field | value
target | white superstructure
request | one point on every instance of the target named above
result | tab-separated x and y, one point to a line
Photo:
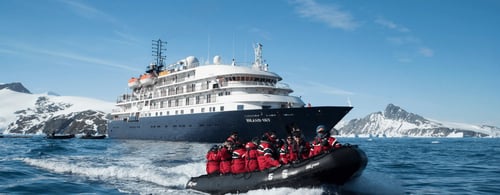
186	87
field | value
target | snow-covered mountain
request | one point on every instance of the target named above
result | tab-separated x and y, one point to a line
397	122
16	86
26	113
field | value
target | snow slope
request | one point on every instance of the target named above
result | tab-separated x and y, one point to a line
12	102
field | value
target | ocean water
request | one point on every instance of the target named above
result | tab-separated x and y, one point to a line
396	166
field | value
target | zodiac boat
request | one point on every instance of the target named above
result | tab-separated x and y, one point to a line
335	167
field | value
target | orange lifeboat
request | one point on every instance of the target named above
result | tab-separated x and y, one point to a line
146	79
133	82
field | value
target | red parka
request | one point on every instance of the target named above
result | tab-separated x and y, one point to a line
321	145
251	155
238	163
225	160
213	161
287	153
265	158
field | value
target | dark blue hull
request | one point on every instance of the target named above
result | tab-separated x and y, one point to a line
216	126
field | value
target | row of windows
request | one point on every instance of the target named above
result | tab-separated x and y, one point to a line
182	125
177	112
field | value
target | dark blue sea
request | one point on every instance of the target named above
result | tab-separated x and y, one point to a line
396	166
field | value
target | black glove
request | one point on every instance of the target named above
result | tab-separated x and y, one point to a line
324	142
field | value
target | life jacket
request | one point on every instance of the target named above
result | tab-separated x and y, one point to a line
225	160
233	140
287	153
265	156
213	162
238	162
321	145
250	157
302	150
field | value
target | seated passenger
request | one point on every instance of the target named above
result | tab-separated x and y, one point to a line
302	148
225	154
287	153
251	154
266	152
233	138
323	142
213	160
238	162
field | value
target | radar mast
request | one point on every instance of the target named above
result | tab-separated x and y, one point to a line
159	47
259	62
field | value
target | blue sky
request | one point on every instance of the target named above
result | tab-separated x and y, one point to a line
439	59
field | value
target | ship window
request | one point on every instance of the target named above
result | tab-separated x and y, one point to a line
239	107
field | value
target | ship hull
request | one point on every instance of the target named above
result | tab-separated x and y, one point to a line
216	126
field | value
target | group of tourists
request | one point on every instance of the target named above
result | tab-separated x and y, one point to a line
268	151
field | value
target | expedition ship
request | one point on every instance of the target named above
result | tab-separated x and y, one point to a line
186	101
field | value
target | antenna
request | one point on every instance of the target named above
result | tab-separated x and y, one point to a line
258	57
159	47
349	102
208	50
233	44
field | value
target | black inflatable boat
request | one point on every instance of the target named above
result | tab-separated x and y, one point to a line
60	136
93	137
336	167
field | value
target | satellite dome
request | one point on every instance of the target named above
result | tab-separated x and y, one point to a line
217	60
192	62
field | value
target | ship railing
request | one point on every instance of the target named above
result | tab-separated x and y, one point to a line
254	83
282	86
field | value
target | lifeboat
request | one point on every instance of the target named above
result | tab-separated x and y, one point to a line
147	79
333	168
163	73
133	83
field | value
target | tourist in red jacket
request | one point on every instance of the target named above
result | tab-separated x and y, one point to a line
233	138
225	154
238	162
323	142
287	153
266	152
250	156
301	147
213	160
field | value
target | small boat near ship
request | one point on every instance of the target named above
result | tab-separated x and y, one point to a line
56	136
93	136
335	167
186	99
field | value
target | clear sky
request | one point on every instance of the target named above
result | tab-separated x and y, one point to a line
439	59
